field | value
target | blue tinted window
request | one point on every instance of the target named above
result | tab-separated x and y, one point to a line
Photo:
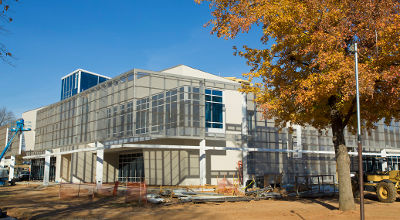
102	79
214	109
216	92
217	112
88	81
217	99
208	111
217	125
70	84
62	89
73	81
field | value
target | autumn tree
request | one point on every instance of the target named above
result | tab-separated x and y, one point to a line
307	76
4	18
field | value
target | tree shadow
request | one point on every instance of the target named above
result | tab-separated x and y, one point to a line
324	204
323	201
294	212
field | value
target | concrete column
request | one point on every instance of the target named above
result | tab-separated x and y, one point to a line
299	145
202	160
244	139
99	165
58	165
46	175
21	136
6	137
3	159
384	164
12	165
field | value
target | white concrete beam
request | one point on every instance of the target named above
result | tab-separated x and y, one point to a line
157	146
188	147
62	153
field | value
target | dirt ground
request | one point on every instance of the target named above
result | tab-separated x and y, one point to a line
37	202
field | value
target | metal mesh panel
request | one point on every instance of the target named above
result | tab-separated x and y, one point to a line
137	105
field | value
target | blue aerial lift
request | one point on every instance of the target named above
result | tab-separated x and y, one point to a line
18	128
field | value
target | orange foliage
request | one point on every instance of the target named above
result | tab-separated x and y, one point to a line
310	60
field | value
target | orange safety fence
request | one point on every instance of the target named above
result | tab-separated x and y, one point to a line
224	186
133	192
136	192
107	189
73	190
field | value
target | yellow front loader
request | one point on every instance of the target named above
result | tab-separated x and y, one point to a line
385	184
380	177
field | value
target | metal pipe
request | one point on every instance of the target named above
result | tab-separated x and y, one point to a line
360	163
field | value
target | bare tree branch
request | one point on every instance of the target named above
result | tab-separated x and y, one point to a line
6	116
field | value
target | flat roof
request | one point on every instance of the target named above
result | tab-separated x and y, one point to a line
82	70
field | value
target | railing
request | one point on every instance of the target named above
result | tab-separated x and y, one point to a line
315	184
131	179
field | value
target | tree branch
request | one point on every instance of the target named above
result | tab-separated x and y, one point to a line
349	113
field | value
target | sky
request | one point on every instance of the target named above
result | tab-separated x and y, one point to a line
50	39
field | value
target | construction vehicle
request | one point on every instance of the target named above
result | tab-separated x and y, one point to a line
386	183
4	172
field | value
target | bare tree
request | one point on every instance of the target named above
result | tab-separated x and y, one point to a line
5	18
6	116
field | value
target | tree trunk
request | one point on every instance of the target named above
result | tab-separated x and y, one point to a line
346	200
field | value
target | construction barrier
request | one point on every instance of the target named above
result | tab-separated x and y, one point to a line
107	190
133	192
74	190
226	187
71	190
136	192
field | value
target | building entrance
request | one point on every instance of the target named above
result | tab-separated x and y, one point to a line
37	169
131	167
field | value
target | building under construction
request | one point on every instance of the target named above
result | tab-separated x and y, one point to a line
179	126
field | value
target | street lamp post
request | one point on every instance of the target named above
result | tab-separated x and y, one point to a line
360	163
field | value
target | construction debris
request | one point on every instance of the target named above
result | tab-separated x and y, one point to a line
4	216
264	193
219	198
155	199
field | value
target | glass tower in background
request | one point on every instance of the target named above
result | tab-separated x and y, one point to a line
78	81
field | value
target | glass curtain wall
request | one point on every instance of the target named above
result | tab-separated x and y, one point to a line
134	106
69	86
